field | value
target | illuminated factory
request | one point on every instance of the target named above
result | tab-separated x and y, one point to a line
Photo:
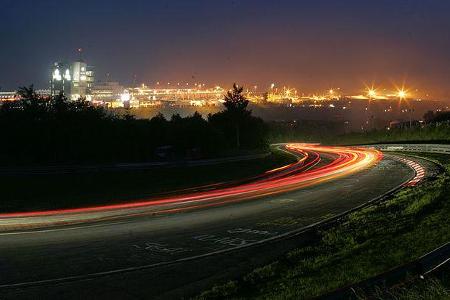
112	94
13	96
198	95
73	80
76	80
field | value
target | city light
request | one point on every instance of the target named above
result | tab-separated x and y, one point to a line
402	94
372	93
57	75
78	81
67	75
125	96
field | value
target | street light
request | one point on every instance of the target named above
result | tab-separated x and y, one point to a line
402	94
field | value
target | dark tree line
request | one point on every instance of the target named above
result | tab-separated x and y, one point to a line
431	117
52	130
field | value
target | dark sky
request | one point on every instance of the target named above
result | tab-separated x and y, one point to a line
311	45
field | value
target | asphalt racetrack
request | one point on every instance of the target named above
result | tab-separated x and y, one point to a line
176	245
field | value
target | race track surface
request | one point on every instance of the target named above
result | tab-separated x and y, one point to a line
181	243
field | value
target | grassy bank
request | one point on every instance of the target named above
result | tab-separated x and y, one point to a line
21	193
433	133
368	242
327	133
436	287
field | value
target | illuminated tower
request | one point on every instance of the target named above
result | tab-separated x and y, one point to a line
61	80
82	81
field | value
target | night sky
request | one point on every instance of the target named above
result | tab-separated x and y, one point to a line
311	45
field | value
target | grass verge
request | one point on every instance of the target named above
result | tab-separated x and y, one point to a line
368	242
432	133
436	287
32	192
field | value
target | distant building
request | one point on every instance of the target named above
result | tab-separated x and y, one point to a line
61	79
197	95
82	80
73	80
397	124
8	96
13	95
106	92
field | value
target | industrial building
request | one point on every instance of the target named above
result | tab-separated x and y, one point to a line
74	80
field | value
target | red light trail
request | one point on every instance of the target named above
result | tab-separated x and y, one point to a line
309	170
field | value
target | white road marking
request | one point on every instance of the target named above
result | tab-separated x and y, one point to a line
229	241
251	231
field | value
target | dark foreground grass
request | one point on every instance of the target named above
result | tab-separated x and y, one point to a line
22	193
436	287
368	242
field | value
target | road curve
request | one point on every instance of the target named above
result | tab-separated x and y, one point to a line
134	250
303	173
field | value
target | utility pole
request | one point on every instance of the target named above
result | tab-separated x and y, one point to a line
410	117
80	54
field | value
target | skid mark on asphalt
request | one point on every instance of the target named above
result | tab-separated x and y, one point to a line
224	240
251	231
159	248
285	221
385	164
282	201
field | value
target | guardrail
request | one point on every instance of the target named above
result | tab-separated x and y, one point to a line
433	148
415	269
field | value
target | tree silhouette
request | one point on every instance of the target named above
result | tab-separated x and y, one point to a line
235	102
236	107
27	94
428	116
54	130
34	106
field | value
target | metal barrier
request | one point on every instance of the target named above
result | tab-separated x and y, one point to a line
433	148
419	269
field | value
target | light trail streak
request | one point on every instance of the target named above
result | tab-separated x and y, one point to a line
305	172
